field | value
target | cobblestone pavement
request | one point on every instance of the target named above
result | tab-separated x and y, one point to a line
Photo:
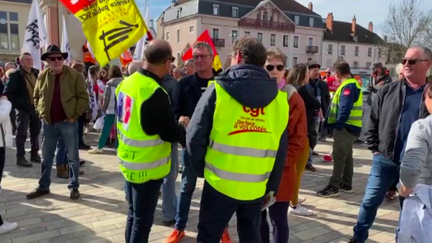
100	215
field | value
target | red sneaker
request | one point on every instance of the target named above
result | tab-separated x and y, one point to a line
327	159
225	237
175	236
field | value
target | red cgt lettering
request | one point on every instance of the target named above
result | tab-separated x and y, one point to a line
254	112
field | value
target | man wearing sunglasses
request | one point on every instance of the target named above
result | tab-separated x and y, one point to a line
19	91
396	106
60	98
380	76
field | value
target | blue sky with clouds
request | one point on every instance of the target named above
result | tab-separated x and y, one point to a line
343	10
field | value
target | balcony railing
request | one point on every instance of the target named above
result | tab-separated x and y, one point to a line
264	24
218	42
312	49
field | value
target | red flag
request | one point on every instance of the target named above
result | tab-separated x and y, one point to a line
205	37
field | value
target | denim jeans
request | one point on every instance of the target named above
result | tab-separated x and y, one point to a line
62	156
383	174
169	198
188	185
51	135
309	162
142	200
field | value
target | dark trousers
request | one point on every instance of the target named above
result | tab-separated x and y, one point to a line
343	165
142	199
24	120
2	165
81	124
12	116
279	219
216	211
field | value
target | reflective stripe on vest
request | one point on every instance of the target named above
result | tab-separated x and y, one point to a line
356	114
243	145
142	157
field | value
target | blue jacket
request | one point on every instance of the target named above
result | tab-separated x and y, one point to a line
249	85
348	96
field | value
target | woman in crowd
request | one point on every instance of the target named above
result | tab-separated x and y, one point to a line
299	77
6	140
108	107
103	78
416	180
297	133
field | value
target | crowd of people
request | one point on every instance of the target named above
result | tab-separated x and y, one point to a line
249	130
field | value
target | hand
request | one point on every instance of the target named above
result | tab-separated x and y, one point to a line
3	97
71	120
185	120
376	153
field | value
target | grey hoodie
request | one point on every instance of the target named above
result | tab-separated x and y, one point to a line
109	95
251	86
416	167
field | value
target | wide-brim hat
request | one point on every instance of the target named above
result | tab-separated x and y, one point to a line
312	65
53	49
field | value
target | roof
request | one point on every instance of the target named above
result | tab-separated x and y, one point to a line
18	1
342	33
284	5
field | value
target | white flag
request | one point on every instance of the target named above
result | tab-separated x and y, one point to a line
65	41
139	48
90	49
35	35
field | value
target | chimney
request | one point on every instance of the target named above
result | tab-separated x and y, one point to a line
385	39
310	6
371	26
329	22
354	24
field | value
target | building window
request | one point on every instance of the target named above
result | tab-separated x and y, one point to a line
4	37
379	52
310	42
272	40
296	42
330	49
178	36
343	50
235	12
329	63
247	33
260	37
234	35
369	51
265	16
215	9
355	64
356	51
167	36
13	16
3	15
368	65
285	41
191	29
178	13
295	59
14	37
215	33
309	60
311	22
297	19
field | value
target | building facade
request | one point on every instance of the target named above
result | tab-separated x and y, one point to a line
13	21
287	25
358	46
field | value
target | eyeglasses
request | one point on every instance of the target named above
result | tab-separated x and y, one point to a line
278	67
55	58
202	57
412	61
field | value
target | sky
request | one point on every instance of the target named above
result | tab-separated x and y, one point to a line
343	10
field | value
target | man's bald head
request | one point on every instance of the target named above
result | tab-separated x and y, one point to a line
158	52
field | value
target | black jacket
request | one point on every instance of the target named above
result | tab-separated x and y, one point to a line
385	116
312	104
325	94
16	90
375	84
250	86
157	116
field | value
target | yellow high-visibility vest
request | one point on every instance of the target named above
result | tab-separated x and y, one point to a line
243	145
356	115
142	157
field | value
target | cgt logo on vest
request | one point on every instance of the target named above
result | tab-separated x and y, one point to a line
253	122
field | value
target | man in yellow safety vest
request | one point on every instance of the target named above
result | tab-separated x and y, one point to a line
146	128
237	141
345	117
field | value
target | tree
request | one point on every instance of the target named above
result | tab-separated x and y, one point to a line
408	23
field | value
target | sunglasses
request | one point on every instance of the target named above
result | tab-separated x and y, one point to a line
278	67
198	57
55	58
412	61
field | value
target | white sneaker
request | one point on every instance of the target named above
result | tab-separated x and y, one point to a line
8	227
95	151
300	210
